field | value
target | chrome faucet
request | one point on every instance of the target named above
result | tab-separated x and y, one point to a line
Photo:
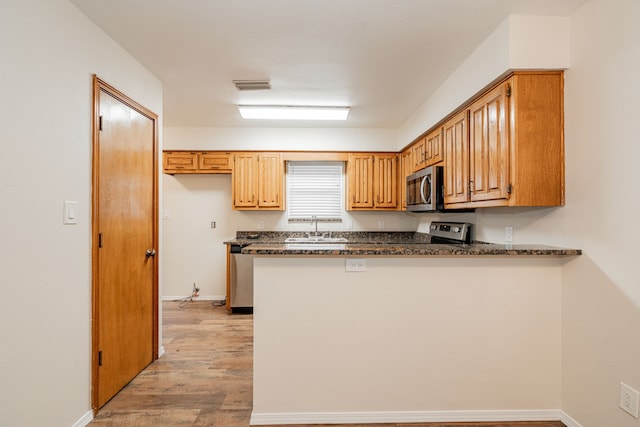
314	219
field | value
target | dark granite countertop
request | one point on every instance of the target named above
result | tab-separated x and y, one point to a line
413	249
385	244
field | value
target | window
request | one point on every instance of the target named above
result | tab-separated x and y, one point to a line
315	188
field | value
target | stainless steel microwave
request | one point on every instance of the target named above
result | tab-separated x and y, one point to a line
425	190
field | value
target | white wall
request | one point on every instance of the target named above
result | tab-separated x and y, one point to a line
194	252
49	53
286	139
520	42
601	292
411	339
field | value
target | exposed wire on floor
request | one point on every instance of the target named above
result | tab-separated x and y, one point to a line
189	298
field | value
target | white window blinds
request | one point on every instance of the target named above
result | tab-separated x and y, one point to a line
315	188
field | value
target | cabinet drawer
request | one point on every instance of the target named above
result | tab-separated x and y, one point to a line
180	161
214	162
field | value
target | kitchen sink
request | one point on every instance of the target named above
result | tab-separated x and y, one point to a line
323	246
316	239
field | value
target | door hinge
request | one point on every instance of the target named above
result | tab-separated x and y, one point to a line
100	358
99	240
509	189
508	90
100	123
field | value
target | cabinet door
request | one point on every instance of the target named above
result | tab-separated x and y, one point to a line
419	154
456	157
386	181
211	162
489	146
270	171
433	148
407	169
245	180
179	162
360	177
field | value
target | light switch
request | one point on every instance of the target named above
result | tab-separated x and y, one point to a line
70	212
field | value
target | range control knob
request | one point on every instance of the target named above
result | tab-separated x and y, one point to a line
456	229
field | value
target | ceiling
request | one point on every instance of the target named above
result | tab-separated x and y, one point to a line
381	57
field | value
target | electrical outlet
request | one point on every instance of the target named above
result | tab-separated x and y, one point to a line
380	225
356	264
261	225
349	224
508	234
629	399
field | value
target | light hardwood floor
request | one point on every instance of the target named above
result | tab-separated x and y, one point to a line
204	377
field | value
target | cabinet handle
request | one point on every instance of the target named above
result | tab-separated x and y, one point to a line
471	189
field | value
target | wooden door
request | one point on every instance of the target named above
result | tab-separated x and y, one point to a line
489	146
360	179
456	150
270	171
244	180
386	181
125	293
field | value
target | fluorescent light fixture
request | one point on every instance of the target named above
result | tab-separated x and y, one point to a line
290	112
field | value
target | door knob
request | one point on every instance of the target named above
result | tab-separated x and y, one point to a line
150	252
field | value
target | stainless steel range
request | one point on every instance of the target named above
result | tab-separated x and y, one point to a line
450	232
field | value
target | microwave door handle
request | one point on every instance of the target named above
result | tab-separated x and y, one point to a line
423	181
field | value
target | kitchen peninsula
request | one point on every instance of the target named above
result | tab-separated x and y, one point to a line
426	333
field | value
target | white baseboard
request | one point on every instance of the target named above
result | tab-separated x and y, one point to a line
85	420
404	417
568	421
198	298
160	351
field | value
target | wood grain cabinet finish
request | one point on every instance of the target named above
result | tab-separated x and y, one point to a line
419	155
406	165
179	162
214	162
257	181
196	162
509	149
433	147
372	180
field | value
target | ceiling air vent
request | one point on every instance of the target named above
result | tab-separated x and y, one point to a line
252	84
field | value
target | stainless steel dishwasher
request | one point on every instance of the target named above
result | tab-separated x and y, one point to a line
241	280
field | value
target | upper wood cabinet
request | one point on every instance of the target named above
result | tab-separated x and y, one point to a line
433	148
419	155
406	165
509	149
372	181
190	162
456	159
257	181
